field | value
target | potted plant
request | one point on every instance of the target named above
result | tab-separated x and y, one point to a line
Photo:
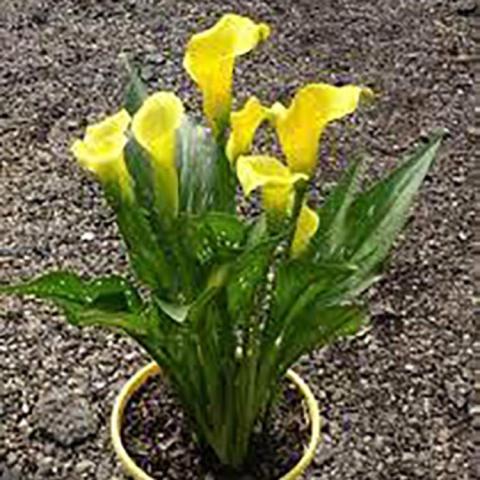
227	304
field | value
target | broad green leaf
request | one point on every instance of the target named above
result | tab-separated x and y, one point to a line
312	326
158	219
213	237
332	229
197	156
370	223
258	231
108	302
317	326
207	181
146	257
378	215
113	294
174	311
298	286
149	186
294	277
84	301
247	274
136	91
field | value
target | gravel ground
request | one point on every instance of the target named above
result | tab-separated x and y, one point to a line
395	401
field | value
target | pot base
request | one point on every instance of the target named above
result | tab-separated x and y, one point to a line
142	378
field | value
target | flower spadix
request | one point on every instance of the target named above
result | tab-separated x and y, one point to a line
300	126
101	150
210	60
154	127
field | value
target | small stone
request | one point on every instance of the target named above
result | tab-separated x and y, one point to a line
84	466
65	417
87	236
408	457
23	425
8	474
466	7
458	179
11	458
44	465
104	470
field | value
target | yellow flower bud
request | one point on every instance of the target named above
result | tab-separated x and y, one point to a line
101	150
307	225
244	124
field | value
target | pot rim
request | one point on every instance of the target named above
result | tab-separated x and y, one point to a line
152	369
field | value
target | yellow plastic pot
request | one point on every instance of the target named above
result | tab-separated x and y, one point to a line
153	369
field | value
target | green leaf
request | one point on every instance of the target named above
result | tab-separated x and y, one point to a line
110	293
362	228
298	285
258	231
155	214
247	274
333	229
84	301
146	257
378	215
294	277
207	182
108	302
317	325
196	159
213	238
149	186
136	91
176	312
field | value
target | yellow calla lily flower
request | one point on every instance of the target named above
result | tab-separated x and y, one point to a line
300	126
307	225
101	150
154	127
244	124
275	178
210	59
155	123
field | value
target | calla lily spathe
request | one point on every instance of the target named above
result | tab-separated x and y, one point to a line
155	124
300	126
275	179
101	150
210	60
244	124
277	183
307	225
154	127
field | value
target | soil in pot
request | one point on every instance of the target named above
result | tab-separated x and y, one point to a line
158	437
